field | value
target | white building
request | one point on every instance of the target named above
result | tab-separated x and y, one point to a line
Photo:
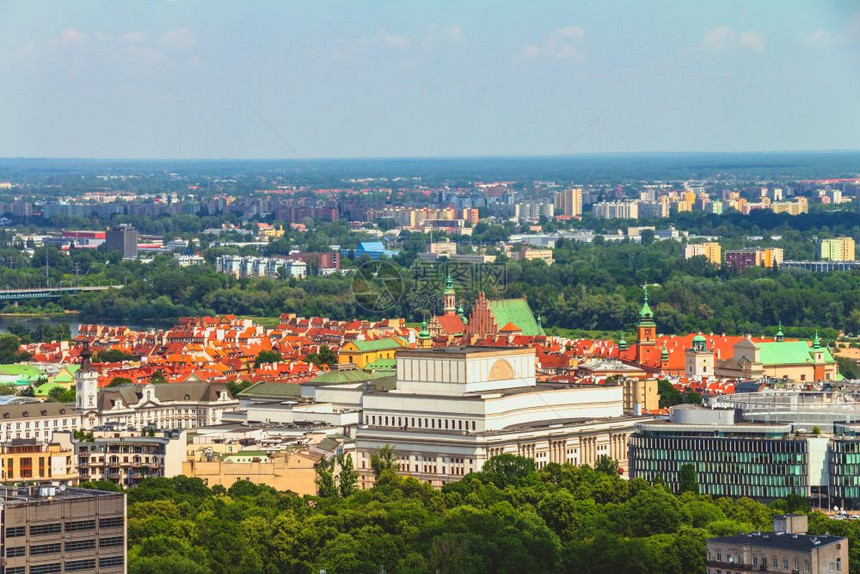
455	407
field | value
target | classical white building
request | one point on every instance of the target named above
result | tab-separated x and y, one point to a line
455	407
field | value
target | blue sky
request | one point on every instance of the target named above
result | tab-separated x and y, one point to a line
185	78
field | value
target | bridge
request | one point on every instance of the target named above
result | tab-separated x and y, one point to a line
49	292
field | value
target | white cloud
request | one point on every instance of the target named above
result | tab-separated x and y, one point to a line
718	38
394	41
561	44
180	38
752	40
724	38
71	36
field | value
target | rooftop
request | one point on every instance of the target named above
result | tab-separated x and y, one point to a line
12	495
779	540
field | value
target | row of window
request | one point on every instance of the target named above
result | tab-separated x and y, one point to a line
402	422
56	527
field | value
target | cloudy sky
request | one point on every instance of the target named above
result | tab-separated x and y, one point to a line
192	79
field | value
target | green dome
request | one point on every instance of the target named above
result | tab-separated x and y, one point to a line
449	286
424	333
699	339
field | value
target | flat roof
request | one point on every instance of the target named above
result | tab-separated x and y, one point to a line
782	541
463	350
10	495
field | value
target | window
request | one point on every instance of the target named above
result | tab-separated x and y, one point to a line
111	561
15	531
111	522
47	568
78	565
17	570
80	525
76	545
39	529
41	549
785	564
14	551
755	561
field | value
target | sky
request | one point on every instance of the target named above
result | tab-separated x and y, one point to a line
331	79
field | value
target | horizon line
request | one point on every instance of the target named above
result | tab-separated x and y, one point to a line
434	157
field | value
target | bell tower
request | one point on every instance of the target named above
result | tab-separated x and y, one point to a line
449	297
646	329
86	383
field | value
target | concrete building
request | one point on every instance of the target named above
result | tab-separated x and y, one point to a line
569	202
698	359
51	530
787	549
640	395
534	210
779	359
709	250
526	253
838	249
123	239
767	257
453	408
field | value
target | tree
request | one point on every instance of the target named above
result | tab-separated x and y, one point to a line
236	387
607	465
508	469
687	481
324	356
326	487
111	356
62	395
347	478
266	357
9	347
384	459
117	381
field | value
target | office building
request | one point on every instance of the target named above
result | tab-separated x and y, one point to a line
122	238
758	460
709	250
787	549
838	249
453	408
569	202
49	530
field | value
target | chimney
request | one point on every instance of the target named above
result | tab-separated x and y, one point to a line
791	523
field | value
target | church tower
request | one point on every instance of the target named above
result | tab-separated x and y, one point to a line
86	384
646	329
698	360
424	339
449	297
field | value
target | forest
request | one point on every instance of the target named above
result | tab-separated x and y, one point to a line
508	518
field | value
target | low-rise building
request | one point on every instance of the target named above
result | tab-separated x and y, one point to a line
289	470
787	549
31	460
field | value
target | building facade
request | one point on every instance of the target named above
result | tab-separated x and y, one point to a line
122	238
49	530
453	408
838	249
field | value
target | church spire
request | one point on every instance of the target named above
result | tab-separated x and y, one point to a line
449	297
780	336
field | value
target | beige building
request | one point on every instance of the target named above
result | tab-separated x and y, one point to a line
526	253
838	249
786	360
48	529
453	408
569	202
640	395
31	460
291	470
710	251
788	549
699	360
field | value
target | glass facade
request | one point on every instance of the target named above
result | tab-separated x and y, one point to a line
761	467
844	461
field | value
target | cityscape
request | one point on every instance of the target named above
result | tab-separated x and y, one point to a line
292	288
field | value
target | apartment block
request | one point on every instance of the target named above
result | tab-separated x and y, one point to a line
710	251
767	257
569	202
838	249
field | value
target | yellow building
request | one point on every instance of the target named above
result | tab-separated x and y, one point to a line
361	353
640	395
795	207
569	202
710	251
290	470
838	249
31	460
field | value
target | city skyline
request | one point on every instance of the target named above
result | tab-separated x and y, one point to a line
169	80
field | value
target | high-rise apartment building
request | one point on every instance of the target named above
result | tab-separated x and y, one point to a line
838	249
709	250
49	530
569	202
767	257
616	210
123	239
